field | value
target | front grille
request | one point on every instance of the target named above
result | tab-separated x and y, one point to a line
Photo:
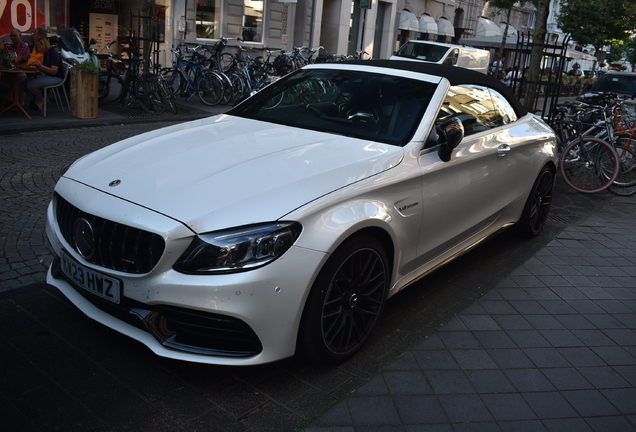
117	247
179	328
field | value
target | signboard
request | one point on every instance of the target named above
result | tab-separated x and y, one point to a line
102	27
365	4
20	14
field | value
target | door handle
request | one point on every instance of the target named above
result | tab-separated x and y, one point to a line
503	150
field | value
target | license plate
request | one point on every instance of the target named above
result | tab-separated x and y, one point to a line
96	283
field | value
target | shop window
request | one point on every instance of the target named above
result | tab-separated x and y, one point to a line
253	20
209	20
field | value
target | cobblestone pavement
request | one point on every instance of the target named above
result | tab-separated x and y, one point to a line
65	372
31	164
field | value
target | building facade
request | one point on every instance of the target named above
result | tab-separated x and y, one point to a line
377	27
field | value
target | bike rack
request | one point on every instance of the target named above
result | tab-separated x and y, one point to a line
549	80
147	35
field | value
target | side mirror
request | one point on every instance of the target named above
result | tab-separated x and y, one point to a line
451	134
93	41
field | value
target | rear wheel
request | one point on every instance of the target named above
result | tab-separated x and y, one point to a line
625	182
149	95
535	212
345	301
210	88
590	165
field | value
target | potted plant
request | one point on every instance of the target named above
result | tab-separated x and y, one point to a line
84	89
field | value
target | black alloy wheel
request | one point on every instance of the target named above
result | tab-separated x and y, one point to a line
537	208
346	301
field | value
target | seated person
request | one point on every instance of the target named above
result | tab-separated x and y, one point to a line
20	48
51	69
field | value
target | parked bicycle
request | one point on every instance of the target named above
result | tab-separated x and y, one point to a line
142	88
189	77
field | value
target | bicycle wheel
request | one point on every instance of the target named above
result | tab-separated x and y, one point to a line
589	165
238	87
110	87
210	88
103	85
173	79
149	96
227	87
625	182
171	100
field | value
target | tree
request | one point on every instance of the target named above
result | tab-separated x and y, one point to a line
595	22
536	55
506	6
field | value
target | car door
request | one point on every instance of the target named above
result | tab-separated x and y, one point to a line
464	196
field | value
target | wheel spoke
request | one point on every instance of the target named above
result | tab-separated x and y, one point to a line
354	301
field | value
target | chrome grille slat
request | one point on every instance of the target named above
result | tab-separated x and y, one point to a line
117	247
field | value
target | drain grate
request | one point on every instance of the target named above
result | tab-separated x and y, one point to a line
562	216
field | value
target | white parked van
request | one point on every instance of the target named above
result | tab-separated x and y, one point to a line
441	53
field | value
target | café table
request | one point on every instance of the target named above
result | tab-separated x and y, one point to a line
16	87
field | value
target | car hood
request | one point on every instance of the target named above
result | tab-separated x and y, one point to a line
227	171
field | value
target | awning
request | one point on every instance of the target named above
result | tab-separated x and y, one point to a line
574	54
445	28
408	21
486	27
490	42
511	29
428	25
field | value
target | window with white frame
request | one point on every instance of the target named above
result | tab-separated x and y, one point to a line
208	20
248	14
253	20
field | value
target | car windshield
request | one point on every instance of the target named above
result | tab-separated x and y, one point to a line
623	84
422	51
363	105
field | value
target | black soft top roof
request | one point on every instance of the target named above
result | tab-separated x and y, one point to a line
455	75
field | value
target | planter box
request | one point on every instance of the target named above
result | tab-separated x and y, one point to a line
83	94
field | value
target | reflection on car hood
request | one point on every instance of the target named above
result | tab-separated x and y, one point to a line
226	171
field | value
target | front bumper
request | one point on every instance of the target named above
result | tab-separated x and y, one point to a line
242	318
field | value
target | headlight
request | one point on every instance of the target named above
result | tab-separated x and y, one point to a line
238	249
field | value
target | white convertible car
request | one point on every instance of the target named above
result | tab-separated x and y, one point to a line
284	225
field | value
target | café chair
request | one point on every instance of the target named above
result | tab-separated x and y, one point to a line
55	90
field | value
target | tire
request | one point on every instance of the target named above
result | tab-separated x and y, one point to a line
171	100
625	182
210	88
535	212
238	88
589	166
345	302
227	88
103	86
150	96
174	80
110	87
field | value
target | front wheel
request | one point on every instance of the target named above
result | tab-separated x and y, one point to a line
625	182
210	88
535	212
149	95
346	301
589	164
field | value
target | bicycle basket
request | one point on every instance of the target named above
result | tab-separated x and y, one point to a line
589	117
283	65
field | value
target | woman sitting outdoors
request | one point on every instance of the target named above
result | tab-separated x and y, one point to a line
51	69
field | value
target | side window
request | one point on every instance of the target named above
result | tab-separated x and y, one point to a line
473	105
506	112
452	57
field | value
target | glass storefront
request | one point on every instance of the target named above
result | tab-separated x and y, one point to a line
210	21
